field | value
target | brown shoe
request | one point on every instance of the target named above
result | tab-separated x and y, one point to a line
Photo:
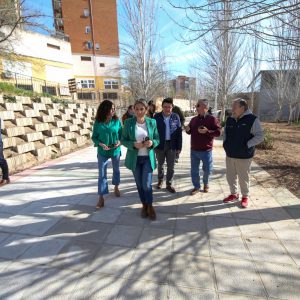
194	191
117	191
4	181
159	184
151	213
170	189
206	188
144	211
100	203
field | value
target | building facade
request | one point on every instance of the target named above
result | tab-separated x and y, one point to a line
38	63
183	86
274	90
91	27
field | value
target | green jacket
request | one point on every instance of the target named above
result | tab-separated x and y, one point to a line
128	139
108	134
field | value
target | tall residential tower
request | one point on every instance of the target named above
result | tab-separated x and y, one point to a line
91	26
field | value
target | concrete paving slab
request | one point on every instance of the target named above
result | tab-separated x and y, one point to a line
192	271
112	260
238	276
281	281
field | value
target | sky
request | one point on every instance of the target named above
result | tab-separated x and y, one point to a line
179	56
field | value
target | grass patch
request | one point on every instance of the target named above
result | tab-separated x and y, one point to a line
9	92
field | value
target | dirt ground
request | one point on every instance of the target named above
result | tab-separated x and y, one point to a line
283	162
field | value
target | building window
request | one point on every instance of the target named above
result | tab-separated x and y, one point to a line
89	44
53	46
49	90
86	12
87	83
110	96
111	84
102	65
87	29
97	46
86	96
85	58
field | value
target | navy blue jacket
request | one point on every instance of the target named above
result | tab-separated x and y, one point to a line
238	133
175	131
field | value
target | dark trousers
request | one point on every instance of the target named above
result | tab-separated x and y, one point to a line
3	163
169	155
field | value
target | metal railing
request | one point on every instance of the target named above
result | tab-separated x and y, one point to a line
33	84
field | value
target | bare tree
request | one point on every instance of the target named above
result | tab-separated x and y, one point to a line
144	64
284	82
249	17
254	58
222	58
15	15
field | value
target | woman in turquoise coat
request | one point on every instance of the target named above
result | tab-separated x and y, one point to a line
140	136
106	136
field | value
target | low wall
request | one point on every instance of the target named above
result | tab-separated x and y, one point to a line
37	130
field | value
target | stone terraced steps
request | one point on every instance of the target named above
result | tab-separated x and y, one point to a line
36	130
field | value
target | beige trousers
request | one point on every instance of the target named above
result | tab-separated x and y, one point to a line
238	169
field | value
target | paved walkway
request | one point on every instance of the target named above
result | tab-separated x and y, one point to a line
53	244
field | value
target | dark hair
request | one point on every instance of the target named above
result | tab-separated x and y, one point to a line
167	100
130	107
141	101
104	110
242	103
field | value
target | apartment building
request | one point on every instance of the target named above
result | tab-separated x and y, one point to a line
91	27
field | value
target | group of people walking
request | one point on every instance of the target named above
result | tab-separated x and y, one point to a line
152	139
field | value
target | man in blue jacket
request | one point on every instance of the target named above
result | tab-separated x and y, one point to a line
170	134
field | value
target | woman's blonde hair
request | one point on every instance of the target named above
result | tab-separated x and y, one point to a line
141	101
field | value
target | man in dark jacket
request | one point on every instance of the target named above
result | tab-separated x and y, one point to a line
242	133
203	129
3	163
177	110
170	134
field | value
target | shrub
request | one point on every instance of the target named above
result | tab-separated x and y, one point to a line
10	99
268	142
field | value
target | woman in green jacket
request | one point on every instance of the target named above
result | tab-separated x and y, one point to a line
106	136
140	136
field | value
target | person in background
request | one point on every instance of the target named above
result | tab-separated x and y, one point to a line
177	110
140	137
242	133
106	136
170	134
129	113
3	163
203	129
151	109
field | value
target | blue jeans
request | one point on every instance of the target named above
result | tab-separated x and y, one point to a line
143	178
206	158
3	163
102	179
